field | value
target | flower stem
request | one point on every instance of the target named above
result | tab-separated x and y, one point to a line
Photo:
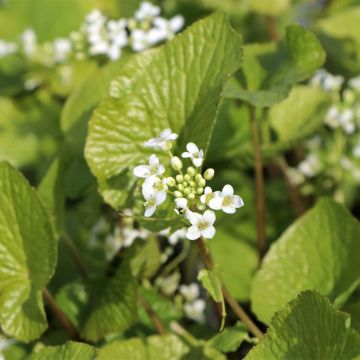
153	316
238	310
60	315
75	254
259	180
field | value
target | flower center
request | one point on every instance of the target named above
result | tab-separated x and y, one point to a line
151	202
202	225
227	201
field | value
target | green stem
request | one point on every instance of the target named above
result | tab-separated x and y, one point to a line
238	310
177	260
153	316
60	315
259	181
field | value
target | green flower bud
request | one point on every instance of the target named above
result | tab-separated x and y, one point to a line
170	181
200	206
179	178
191	171
132	24
176	163
191	196
186	184
202	183
209	174
181	187
178	194
187	177
192	184
187	192
199	190
198	177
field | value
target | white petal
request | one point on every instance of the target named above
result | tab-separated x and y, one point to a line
161	169
154	160
192	148
181	203
150	211
228	190
209	216
160	197
193	217
165	133
203	199
176	23
207	190
160	22
193	233
229	209
216	203
209	232
238	201
142	171
197	162
147	190
186	155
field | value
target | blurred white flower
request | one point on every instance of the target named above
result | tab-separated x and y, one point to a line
195	310
226	201
193	152
29	42
201	225
146	11
176	236
7	48
62	49
168	28
190	292
310	166
153	169
163	141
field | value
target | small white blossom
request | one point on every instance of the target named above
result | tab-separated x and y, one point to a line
153	199
29	42
195	310
146	11
193	152
142	40
153	169
163	141
202	225
62	49
7	48
310	166
170	27
327	81
190	292
208	195
346	121
181	203
226	201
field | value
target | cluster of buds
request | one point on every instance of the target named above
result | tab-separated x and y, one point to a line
193	199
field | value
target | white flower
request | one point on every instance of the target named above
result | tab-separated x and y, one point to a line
190	292
153	199
327	81
7	48
117	32
346	121
202	225
176	236
354	83
163	141
153	169
95	17
146	11
62	49
29	42
181	203
169	27
193	152
208	195
226	201
154	184
141	39
332	117
356	150
310	166
195	310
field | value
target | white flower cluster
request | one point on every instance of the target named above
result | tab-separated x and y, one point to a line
194	306
188	189
99	36
327	81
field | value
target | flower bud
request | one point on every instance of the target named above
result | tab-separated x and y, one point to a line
191	196
200	206
192	184
178	194
132	24
179	178
202	183
191	171
199	190
186	191
187	177
181	187
176	163
209	174
198	177
170	181
185	184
